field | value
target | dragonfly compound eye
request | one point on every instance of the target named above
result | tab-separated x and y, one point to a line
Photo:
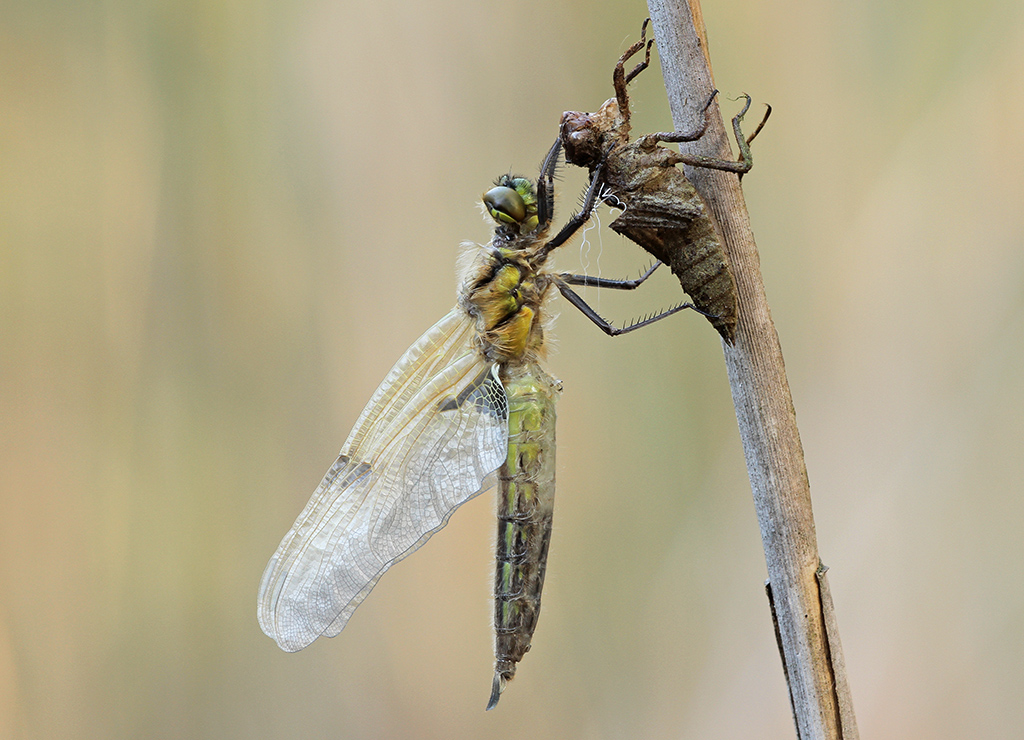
505	205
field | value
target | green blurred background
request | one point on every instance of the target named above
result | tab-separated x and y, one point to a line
222	221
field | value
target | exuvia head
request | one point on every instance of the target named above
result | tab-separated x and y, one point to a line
586	136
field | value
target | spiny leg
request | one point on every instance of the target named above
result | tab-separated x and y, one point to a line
579	219
596	282
606	326
545	184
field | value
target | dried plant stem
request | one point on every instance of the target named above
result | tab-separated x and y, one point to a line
800	601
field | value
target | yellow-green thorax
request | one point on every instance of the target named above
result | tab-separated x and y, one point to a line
505	293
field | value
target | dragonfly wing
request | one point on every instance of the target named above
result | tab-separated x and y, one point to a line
431	445
446	341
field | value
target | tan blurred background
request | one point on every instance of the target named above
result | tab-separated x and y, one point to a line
221	223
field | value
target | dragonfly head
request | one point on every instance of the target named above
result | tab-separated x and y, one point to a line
512	202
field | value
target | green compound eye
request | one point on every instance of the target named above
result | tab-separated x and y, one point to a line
505	205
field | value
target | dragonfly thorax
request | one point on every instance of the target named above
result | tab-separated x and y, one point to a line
505	300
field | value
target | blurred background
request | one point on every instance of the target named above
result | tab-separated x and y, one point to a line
222	222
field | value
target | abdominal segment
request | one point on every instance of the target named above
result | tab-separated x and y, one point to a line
525	505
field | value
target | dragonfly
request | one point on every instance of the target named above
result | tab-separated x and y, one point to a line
661	209
468	407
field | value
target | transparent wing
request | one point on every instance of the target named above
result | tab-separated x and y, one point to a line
429	440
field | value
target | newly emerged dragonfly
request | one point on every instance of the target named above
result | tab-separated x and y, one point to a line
467	406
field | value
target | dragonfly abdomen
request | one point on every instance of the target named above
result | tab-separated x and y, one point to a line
525	506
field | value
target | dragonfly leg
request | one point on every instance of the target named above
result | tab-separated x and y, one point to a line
597	282
576	222
606	326
545	184
619	77
740	166
652	140
736	125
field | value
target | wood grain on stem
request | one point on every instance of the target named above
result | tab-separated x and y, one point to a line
806	627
